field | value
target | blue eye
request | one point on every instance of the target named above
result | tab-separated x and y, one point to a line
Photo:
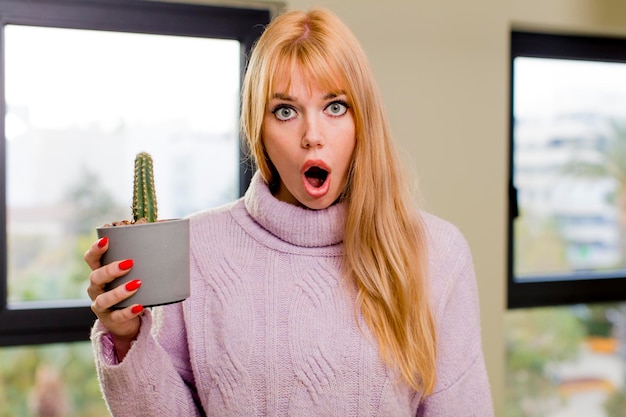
284	113
337	108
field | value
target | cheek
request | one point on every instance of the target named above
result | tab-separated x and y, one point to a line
277	153
272	137
348	148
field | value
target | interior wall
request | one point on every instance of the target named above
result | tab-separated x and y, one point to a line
602	17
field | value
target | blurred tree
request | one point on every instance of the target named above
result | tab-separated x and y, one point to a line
615	405
91	205
46	268
533	339
48	397
69	369
596	318
539	247
611	162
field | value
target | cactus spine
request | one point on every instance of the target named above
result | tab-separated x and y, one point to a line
144	196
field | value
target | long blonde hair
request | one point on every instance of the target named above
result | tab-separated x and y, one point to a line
384	240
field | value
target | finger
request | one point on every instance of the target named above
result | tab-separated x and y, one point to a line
93	255
104	301
106	274
109	272
122	323
127	313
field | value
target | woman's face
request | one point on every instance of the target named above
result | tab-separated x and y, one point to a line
309	136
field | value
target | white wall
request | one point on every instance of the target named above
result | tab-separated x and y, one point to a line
602	17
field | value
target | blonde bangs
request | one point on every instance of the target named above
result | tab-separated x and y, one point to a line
315	64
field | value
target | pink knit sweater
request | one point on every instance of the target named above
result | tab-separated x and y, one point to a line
270	328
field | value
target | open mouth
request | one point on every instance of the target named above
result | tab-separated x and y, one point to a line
316	176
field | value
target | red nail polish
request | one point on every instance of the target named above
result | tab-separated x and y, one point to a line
102	242
137	309
127	264
133	285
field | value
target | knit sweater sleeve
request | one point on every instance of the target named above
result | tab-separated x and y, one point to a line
155	378
462	388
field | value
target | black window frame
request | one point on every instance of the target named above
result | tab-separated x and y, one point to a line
569	288
52	322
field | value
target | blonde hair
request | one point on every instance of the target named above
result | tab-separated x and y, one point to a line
384	240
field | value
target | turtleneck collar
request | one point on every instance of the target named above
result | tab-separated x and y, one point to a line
296	225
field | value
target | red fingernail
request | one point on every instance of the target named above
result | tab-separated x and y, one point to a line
102	242
137	309
127	264
133	285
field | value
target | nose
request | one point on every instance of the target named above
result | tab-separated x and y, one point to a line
312	136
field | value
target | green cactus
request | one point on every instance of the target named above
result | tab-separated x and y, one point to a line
144	195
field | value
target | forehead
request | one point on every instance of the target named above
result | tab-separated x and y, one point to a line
298	80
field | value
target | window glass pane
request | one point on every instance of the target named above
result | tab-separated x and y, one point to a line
569	164
566	361
50	380
80	105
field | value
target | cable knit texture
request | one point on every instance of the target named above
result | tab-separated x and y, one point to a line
270	328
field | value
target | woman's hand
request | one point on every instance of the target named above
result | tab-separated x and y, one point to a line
124	323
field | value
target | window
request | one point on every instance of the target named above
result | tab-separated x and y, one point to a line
565	361
86	85
57	379
567	228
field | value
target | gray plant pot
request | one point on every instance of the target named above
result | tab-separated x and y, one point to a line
160	252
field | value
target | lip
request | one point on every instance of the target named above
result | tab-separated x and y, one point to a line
316	192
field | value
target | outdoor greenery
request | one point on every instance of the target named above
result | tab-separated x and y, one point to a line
537	339
44	267
549	256
56	380
609	163
616	404
534	338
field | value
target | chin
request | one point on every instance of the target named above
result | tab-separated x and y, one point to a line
318	203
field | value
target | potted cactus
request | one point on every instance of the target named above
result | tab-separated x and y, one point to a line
159	248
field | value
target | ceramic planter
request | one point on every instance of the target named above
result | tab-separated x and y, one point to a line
160	252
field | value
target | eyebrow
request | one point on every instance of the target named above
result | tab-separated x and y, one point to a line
287	97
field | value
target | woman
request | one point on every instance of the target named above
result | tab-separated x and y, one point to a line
323	291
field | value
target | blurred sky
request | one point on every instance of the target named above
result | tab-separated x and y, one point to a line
69	76
546	88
